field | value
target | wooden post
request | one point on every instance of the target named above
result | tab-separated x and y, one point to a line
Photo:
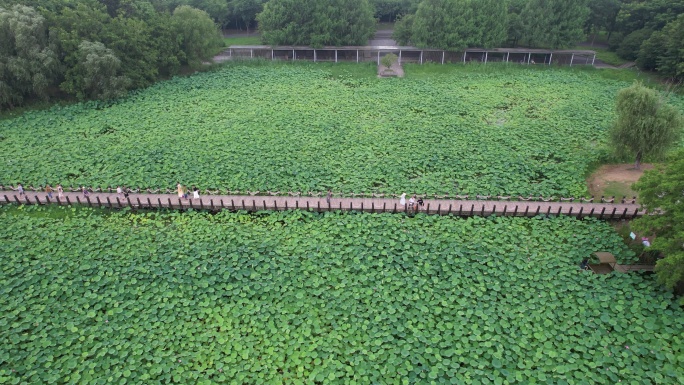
529	57
527	209
190	203
201	204
493	210
537	213
232	204
211	202
357	55
395	208
180	203
472	209
118	202
372	207
350	206
272	55
624	214
293	54
378	57
593	59
68	201
286	208
159	201
275	204
591	213
505	208
602	211
243	205
579	215
570	211
515	212
128	199
464	56
251	53
297	204
439	209
428	209
319	202
548	211
17	200
613	213
307	205
169	201
508	54
149	203
636	211
384	206
361	206
486	54
109	202
254	204
559	210
90	204
482	212
8	201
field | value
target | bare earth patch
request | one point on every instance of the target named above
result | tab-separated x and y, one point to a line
615	180
395	71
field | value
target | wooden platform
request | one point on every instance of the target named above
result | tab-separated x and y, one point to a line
374	205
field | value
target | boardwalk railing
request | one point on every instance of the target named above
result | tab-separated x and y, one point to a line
321	204
405	54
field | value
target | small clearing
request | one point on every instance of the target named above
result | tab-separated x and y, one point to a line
396	70
615	180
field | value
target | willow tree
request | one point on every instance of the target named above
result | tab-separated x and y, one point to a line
646	125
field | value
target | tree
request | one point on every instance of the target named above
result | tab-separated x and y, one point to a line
662	191
199	36
317	23
97	74
602	16
631	44
554	23
244	12
646	125
27	61
671	61
403	29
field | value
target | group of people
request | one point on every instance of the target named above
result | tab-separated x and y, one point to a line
48	189
183	192
413	202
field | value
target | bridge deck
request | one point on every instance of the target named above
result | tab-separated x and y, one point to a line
279	203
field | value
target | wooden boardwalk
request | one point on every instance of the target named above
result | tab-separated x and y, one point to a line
319	204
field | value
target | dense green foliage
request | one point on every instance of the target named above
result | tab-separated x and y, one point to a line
317	23
389	10
646	126
457	24
661	191
337	298
491	129
96	49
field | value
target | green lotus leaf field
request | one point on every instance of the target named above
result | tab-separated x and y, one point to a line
301	127
94	297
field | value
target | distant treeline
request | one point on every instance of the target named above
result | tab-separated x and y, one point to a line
97	49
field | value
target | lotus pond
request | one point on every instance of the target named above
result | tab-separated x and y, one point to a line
303	127
300	298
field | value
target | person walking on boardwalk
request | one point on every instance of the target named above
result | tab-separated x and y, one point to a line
184	190
328	197
60	191
85	191
195	193
20	188
412	202
402	200
48	190
126	191
119	191
179	188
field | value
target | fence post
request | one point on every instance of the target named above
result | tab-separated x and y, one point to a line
118	202
483	208
602	211
636	211
579	215
505	208
180	203
128	199
538	208
190	203
559	210
613	213
515	213
68	201
372	207
170	204
243	205
275	204
591	213
548	211
139	204
439	209
570	211
624	214
472	209
159	202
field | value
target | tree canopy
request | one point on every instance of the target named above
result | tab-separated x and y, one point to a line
317	23
646	125
662	190
455	24
97	48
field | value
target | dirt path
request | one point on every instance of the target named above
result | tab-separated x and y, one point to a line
615	179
